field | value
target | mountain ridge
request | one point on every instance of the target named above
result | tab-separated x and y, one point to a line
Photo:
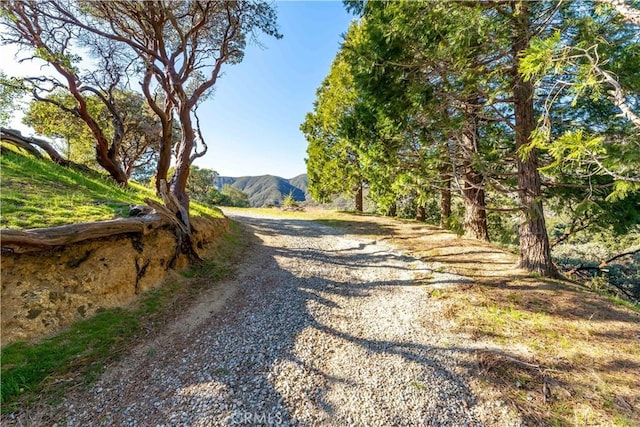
267	190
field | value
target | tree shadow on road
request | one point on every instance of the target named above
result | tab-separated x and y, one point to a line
268	373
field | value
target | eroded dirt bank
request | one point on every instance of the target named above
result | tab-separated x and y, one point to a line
44	291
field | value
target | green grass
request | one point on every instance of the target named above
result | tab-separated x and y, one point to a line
82	350
272	212
220	266
77	355
621	302
37	193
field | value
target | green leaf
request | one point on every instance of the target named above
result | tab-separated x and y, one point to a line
538	58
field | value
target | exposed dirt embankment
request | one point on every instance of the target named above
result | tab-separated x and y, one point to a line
45	290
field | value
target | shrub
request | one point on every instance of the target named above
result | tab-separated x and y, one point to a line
289	201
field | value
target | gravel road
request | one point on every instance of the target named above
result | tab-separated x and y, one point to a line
316	329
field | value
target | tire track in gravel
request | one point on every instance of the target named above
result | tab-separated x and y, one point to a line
320	329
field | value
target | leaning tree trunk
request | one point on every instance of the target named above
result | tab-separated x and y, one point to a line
107	154
29	28
165	114
178	185
475	213
27	143
535	253
174	196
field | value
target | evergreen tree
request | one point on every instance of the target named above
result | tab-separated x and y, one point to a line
333	164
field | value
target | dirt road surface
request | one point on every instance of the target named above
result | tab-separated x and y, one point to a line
317	328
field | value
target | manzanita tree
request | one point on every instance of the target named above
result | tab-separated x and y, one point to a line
29	26
54	117
177	48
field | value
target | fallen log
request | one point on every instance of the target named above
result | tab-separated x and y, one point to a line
6	136
27	143
21	241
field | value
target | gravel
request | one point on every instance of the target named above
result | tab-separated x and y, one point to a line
323	329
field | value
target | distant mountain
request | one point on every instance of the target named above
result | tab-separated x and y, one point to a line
220	181
301	182
267	189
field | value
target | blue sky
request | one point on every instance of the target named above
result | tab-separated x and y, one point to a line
251	122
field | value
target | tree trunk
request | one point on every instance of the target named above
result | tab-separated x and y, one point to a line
178	185
15	137
393	209
164	157
175	197
445	199
31	31
535	254
111	165
164	112
445	207
21	241
475	214
358	197
178	200
421	213
106	152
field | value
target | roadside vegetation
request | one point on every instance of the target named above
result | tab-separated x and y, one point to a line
87	96
559	353
36	193
514	123
508	122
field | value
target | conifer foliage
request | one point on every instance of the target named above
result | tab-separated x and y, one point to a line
487	115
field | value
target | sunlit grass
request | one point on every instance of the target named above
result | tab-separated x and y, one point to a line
82	349
37	193
578	345
278	212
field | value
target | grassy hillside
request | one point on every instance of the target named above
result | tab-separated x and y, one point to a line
38	193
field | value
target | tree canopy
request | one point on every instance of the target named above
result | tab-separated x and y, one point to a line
500	111
141	138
